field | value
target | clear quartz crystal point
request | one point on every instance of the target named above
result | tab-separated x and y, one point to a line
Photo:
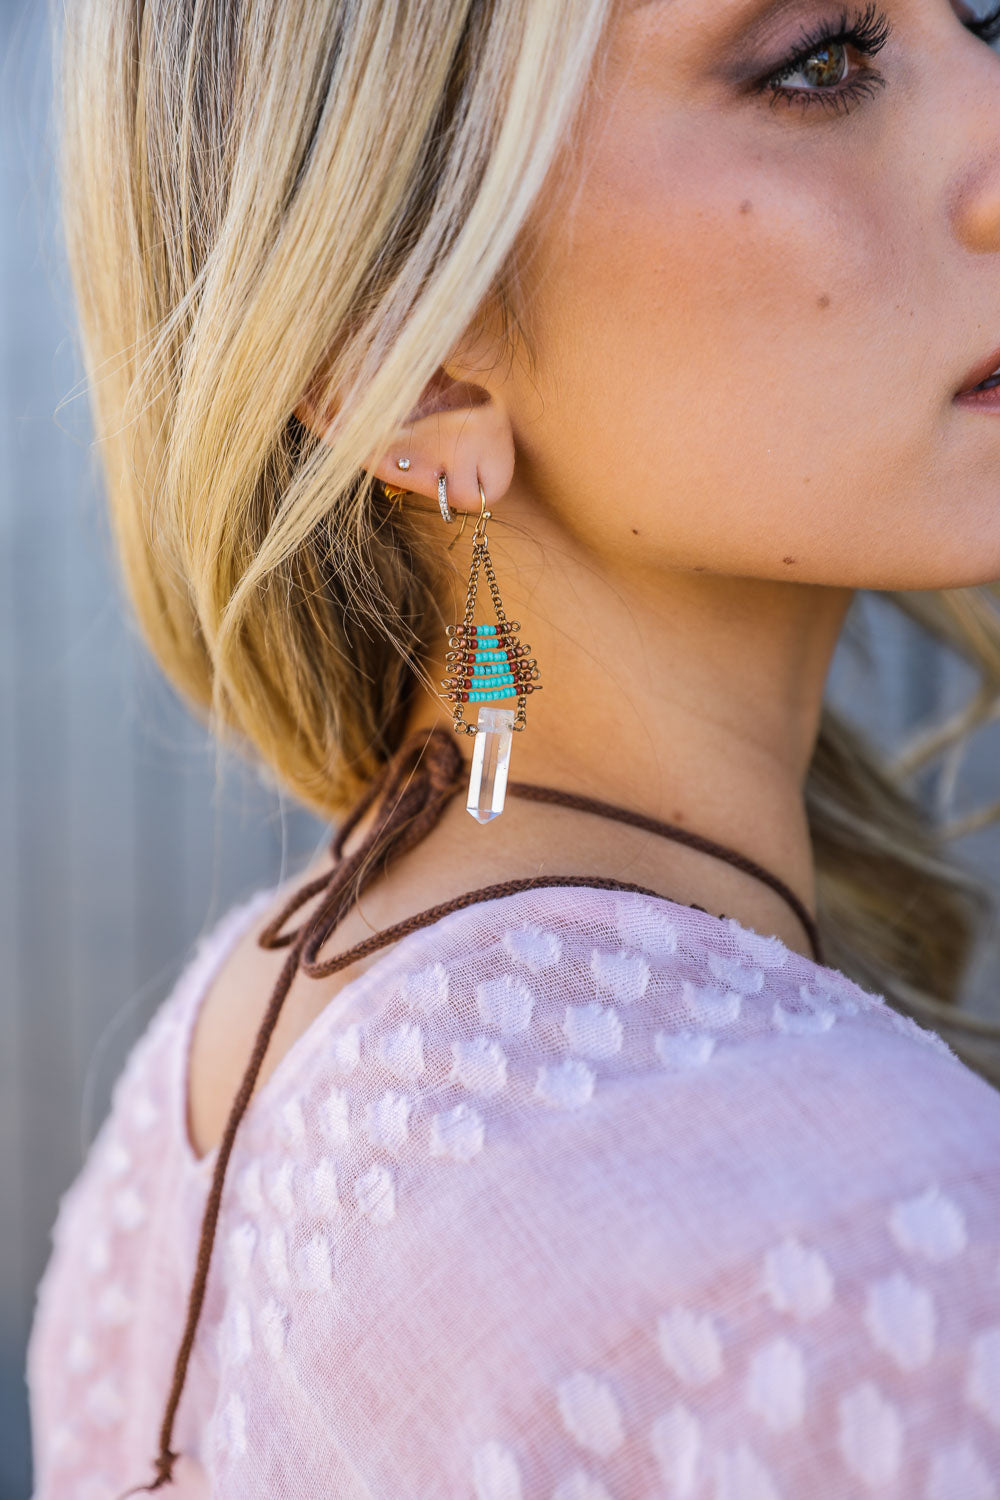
490	759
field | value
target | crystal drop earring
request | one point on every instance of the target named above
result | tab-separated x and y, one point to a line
489	663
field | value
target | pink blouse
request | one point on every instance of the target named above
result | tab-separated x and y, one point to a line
575	1194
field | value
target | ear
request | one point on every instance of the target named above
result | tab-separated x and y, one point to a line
458	427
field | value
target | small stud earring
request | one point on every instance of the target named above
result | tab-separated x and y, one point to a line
403	463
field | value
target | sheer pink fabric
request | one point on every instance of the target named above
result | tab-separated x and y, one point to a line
575	1194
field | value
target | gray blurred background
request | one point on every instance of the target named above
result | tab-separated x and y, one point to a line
117	845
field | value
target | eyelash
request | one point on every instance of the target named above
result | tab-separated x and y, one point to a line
867	31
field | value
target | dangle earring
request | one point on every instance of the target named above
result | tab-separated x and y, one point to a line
490	663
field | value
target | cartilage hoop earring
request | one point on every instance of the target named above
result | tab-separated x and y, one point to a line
489	663
443	497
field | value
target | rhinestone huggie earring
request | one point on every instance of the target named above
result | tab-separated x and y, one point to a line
443	497
490	663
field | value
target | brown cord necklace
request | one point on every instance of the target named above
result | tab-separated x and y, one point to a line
415	786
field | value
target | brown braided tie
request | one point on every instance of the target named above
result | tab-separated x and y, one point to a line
413	790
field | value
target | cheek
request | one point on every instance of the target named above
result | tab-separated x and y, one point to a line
716	339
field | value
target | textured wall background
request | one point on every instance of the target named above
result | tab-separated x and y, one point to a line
116	845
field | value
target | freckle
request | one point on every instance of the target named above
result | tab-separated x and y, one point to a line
745	206
823	301
788	559
635	531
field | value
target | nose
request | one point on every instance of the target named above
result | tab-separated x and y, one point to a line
976	202
977	221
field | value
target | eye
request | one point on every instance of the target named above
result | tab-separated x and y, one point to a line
823	59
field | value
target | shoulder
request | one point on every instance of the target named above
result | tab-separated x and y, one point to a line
566	1025
680	1205
607	1197
654	1090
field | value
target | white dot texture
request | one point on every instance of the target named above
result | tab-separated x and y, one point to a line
242	1240
480	1065
776	1384
870	1434
580	1486
459	1133
276	1257
574	1194
711	1004
495	1472
593	1030
232	1430
387	1120
505	1004
403	1051
280	1188
742	1475
590	1412
797	1279
677	1445
619	974
928	1225
566	1085
534	948
690	1345
900	1317
273	1323
683	1049
982	1386
957	1472
114	1305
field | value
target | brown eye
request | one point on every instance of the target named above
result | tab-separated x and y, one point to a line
823	62
826	66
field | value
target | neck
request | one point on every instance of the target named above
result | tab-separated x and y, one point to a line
690	697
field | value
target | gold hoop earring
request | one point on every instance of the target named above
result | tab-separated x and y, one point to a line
395	494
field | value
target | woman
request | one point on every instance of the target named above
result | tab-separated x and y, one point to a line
611	1162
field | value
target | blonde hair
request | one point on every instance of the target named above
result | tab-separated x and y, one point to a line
268	199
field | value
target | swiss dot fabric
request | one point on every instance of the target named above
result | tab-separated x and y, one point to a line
576	1194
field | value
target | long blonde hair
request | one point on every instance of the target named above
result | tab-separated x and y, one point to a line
255	194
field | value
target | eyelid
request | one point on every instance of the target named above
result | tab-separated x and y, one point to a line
867	31
769	36
769	29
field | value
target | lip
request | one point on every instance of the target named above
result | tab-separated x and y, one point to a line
984	368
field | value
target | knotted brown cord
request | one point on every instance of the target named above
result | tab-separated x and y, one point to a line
413	797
